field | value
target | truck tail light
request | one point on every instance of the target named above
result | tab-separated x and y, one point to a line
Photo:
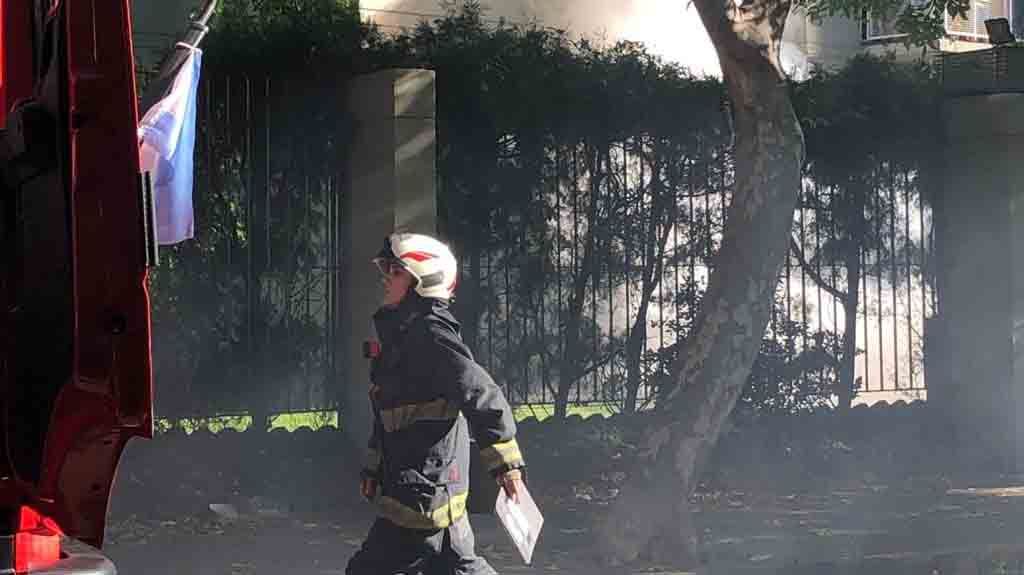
37	542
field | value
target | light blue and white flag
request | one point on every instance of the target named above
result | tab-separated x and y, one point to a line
167	137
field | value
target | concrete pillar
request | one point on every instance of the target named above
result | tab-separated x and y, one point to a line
981	275
391	186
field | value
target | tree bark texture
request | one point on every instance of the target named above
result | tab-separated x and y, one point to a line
651	516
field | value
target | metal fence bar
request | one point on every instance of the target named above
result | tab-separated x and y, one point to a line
894	282
508	319
833	233
910	287
559	302
595	288
250	280
878	283
816	191
867	347
802	212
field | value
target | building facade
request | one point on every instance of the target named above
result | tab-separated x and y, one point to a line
833	41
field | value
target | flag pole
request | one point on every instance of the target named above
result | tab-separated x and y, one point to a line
197	30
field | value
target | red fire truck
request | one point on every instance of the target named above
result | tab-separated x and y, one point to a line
77	241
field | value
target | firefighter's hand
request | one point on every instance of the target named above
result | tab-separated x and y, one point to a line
368	488
512	483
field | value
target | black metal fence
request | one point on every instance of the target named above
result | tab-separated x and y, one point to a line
579	280
246	314
603	241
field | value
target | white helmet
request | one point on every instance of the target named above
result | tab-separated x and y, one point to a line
430	261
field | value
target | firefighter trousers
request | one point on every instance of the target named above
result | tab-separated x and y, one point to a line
393	550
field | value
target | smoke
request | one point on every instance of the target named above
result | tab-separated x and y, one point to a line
669	28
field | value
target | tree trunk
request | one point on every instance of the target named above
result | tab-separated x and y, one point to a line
652	512
856	227
569	364
634	353
663	218
638	335
846	375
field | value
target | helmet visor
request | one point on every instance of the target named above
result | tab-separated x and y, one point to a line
385	260
388	266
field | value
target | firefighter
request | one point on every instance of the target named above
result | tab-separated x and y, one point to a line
428	394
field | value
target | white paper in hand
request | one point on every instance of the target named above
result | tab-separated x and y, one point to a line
522	521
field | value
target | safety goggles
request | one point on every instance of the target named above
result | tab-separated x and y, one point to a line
388	266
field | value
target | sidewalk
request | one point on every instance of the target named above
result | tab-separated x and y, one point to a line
877	530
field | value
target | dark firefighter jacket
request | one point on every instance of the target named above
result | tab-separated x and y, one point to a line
428	394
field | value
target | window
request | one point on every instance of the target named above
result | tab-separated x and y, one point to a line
972	26
880	27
